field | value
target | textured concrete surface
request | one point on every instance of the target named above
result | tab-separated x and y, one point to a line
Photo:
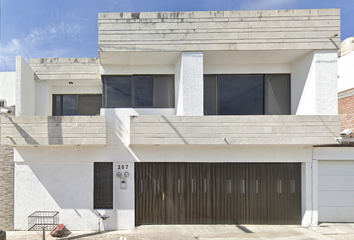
284	129
229	30
66	69
204	232
48	130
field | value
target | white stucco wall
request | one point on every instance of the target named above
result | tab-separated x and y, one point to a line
8	88
333	153
25	89
44	182
43	99
45	175
313	79
346	72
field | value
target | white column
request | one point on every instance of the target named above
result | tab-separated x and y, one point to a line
189	84
314	84
326	82
309	178
306	194
315	193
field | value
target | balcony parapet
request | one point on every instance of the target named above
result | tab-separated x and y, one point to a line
45	131
235	130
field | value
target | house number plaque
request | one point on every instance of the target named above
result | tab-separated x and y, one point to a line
122	166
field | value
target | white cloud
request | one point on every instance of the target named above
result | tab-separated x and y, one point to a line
48	41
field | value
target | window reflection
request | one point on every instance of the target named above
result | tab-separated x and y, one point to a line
247	94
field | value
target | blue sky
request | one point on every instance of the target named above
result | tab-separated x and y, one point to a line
68	28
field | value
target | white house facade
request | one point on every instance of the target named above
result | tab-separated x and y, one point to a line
185	118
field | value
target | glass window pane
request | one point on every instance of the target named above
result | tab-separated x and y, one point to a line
89	104
164	92
278	186
193	185
57	105
277	94
143	91
240	94
242	186
229	186
179	185
210	95
292	186
117	91
157	186
69	105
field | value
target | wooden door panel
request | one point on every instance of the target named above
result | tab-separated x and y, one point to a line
149	190
218	193
257	193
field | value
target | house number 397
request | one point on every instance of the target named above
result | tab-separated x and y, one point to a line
122	166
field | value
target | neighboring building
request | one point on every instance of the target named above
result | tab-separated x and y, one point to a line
345	65
346	108
346	83
205	117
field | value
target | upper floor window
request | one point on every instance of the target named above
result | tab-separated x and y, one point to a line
76	104
267	94
138	91
2	103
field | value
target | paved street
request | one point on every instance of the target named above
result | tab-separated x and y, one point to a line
204	232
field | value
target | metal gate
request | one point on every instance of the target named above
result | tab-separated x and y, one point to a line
217	193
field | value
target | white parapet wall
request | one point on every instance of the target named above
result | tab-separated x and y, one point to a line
25	89
42	131
234	130
8	88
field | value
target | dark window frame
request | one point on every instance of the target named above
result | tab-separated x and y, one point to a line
54	113
103	185
264	90
132	89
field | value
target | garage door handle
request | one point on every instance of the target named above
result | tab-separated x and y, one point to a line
163	197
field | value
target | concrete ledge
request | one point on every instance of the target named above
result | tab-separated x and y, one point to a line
66	68
68	130
290	129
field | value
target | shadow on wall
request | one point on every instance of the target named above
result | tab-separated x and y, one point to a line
178	133
69	185
27	137
67	188
300	79
55	132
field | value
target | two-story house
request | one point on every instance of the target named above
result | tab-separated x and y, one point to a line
185	118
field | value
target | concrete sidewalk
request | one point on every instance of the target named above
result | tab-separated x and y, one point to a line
207	232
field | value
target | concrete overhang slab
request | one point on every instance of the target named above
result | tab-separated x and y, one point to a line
210	57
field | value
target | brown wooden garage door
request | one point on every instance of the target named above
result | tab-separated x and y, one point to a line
217	193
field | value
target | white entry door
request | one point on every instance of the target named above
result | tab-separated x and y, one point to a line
336	191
